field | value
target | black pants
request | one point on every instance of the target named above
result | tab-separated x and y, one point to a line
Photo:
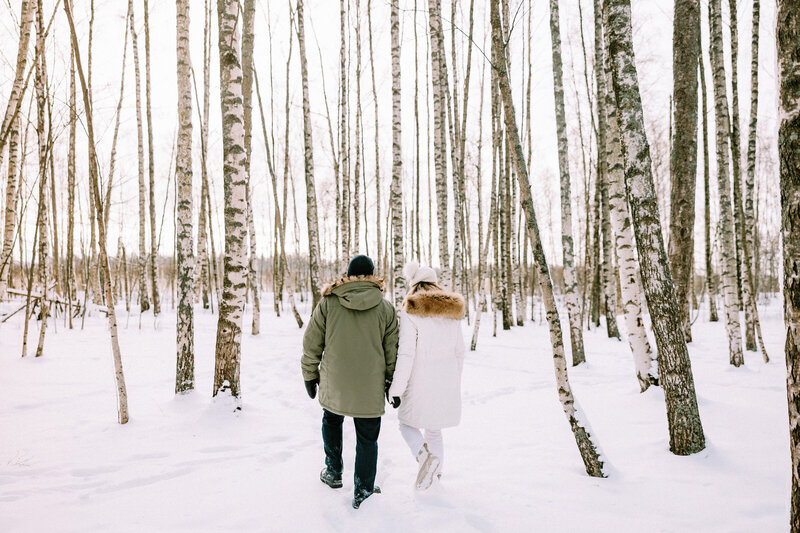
367	431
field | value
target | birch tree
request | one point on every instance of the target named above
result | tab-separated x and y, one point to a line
27	14
710	282
144	299
570	284
122	394
439	85
10	218
184	374
788	39
231	306
248	18
42	132
308	143
683	157
675	373
621	222
726	226
588	449
396	201
151	164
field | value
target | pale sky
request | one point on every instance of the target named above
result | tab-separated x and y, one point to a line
653	47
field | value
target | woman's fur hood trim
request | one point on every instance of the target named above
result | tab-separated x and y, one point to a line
328	290
435	303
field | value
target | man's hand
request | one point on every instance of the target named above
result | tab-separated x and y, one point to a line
395	401
311	388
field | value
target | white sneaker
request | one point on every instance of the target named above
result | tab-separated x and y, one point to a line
428	468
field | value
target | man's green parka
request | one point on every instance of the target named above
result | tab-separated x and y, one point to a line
350	345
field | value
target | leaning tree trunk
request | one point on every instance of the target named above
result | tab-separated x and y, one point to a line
589	451
712	287
234	293
789	156
151	165
570	285
623	232
396	201
726	225
311	192
683	157
122	394
675	373
144	300
249	14
27	13
184	373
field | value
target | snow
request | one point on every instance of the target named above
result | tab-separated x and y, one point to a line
191	464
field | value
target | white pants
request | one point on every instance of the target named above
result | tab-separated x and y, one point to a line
415	439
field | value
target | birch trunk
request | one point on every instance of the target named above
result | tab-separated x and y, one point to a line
746	215
151	165
344	165
744	290
728	244
42	129
438	72
70	265
122	395
749	220
623	232
184	373
234	293
9	226
354	245
788	37
203	225
311	193
570	286
144	299
396	201
712	286
683	157
279	220
589	451
249	14
675	373
27	13
377	130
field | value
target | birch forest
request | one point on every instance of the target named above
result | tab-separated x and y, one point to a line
612	185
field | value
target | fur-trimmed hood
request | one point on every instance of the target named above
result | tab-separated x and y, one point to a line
328	289
435	304
358	293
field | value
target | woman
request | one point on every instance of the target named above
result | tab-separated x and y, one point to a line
427	378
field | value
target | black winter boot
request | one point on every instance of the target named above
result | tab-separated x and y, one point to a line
331	479
363	494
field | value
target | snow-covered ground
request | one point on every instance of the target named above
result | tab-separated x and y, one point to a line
190	464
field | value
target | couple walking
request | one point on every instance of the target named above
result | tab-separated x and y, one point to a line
357	352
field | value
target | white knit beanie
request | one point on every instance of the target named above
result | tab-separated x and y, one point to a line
416	274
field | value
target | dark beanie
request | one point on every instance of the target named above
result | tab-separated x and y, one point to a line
360	265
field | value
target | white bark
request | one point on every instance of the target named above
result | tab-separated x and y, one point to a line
726	223
234	292
184	375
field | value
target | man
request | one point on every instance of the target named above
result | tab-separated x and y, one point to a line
349	351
